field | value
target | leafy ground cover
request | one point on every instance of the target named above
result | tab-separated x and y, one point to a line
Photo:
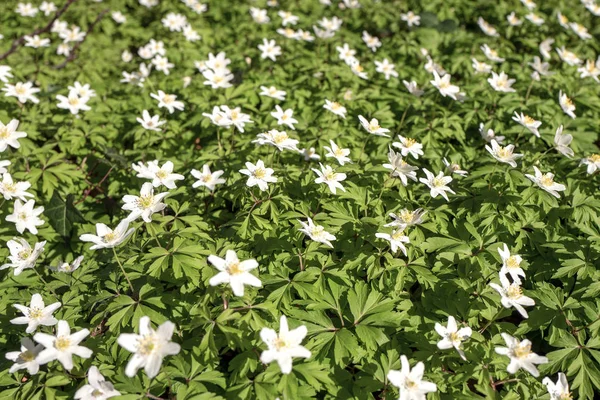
299	199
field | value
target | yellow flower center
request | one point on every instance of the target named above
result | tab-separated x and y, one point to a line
23	216
566	396
260	173
522	351
359	68
409	142
145	201
73	101
336	106
528	120
9	187
595	158
280	343
234	268
146	345
438	182
568	102
109	237
374	126
503	152
280	137
168	99
4	132
512	262
406	216
24	254
27	356
62	343
339	152
455	337
514	291
35	313
410	384
546	180
162	174
397	235
20	90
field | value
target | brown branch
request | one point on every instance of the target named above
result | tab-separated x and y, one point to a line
73	54
19	41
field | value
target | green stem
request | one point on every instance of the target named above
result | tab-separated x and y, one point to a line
123	270
153	233
46	284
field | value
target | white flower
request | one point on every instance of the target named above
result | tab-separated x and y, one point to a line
168	101
511	264
511	295
432	66
444	86
310	154
335	108
528	122
160	175
592	162
279	139
397	239
62	346
562	142
149	347
520	355
5	73
501	83
411	19
546	47
407	218
26	10
25	216
489	135
36	42
287	18
454	168
558	390
269	49
452	336
346	54
36	314
272	92
284	117
341	155
437	184
542	68
72	35
288	33
330	178
566	104
481	67
372	42
411	383
491	54
234	272
258	175
409	146
529	4
589	69
234	116
400	168
333	24
413	88
174	22
118	17
487	28
145	204
68	267
97	388
580	31
358	70
513	20
10	189
151	123
3	165
386	68
503	154
373	127
535	19
63	49
316	232
546	182
107	238
73	103
207	178
187	80
22	256
568	56
22	91
259	15
162	64
284	346
26	358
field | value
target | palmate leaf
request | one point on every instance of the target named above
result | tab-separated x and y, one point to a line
62	214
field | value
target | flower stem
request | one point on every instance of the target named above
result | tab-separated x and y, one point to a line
153	233
123	270
46	283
